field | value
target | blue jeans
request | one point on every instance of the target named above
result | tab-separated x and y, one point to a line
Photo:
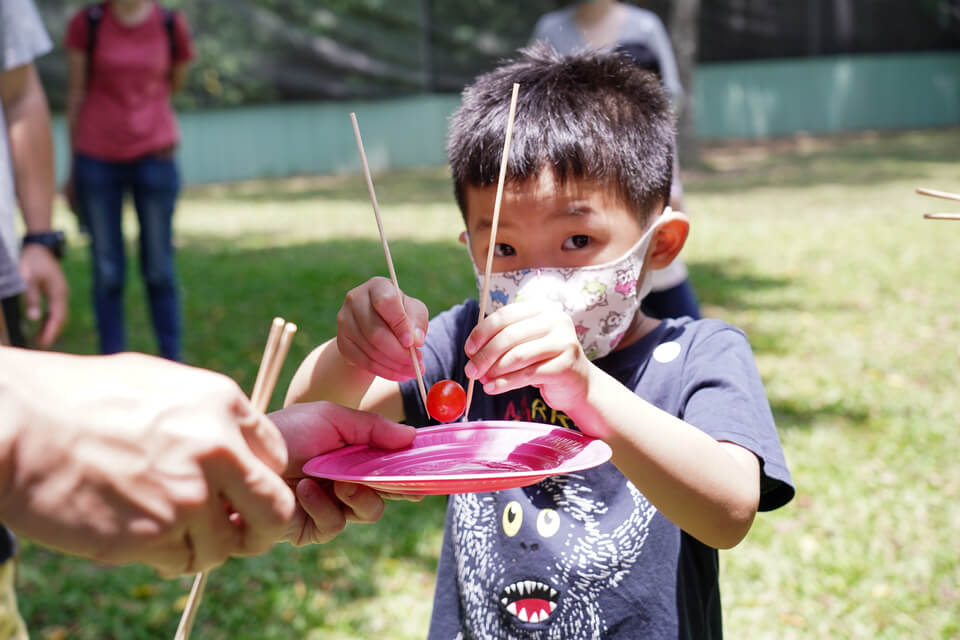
154	183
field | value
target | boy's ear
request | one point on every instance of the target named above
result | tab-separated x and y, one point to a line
667	241
463	238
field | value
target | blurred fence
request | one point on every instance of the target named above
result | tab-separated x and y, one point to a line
735	99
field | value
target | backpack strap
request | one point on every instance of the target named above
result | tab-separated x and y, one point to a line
94	13
169	23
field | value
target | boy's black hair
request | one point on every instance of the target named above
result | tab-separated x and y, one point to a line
590	116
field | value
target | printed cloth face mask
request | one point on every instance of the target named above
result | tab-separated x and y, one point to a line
601	299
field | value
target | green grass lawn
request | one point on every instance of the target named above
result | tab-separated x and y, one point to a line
817	250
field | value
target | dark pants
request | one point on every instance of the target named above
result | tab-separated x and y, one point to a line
14	320
675	302
100	188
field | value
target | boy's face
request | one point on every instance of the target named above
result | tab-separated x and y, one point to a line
547	224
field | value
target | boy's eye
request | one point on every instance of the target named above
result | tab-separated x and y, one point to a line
576	242
504	250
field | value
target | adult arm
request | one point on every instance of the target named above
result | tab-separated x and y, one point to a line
31	150
131	458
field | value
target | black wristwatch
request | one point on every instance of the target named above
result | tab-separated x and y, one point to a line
55	241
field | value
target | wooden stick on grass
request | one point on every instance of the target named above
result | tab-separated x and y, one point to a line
493	229
274	353
386	247
946	195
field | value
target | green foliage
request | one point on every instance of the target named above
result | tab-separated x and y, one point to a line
818	251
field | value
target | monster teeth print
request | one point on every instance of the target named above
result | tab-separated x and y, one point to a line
529	600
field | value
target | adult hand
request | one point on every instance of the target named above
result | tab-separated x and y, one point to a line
47	292
324	507
131	458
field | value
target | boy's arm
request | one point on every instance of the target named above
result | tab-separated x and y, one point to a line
709	489
326	375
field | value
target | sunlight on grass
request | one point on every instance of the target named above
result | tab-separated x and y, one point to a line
817	250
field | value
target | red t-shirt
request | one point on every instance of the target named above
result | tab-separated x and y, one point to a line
126	112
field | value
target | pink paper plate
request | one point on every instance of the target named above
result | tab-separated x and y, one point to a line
465	457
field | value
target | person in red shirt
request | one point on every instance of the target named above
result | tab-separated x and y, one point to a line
125	60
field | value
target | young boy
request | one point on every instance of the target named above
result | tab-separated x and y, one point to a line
627	549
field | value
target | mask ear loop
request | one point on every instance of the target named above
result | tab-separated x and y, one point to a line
493	230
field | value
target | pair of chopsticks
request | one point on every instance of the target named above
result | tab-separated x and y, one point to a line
493	235
274	353
945	195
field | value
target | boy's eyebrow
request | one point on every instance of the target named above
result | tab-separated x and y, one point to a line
576	210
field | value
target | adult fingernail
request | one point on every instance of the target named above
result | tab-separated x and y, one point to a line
419	336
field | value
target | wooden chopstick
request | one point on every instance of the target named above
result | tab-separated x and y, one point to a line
274	353
386	247
942	216
934	193
493	229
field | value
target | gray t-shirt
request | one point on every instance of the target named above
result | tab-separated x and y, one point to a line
586	555
559	29
22	39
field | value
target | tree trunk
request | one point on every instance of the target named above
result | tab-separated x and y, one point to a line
684	31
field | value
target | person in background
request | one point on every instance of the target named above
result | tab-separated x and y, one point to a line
30	274
125	60
606	25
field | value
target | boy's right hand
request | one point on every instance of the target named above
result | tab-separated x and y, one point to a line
375	330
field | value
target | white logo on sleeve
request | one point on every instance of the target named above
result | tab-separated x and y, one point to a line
666	352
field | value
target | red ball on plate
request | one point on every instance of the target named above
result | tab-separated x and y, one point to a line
446	401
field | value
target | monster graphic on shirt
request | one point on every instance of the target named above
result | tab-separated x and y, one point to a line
533	562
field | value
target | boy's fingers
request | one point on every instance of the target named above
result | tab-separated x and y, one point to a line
354	353
511	336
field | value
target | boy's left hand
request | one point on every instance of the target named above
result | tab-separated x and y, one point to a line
530	344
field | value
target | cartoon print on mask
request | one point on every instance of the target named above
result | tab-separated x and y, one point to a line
534	562
499	297
610	322
595	294
517	276
581	330
567	272
626	282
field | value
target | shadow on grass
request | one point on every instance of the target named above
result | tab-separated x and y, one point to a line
871	159
795	415
429	185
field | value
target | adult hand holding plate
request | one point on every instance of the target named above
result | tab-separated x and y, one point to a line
315	428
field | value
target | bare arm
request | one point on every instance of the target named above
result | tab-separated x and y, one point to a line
31	150
76	87
31	144
178	76
709	489
326	375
